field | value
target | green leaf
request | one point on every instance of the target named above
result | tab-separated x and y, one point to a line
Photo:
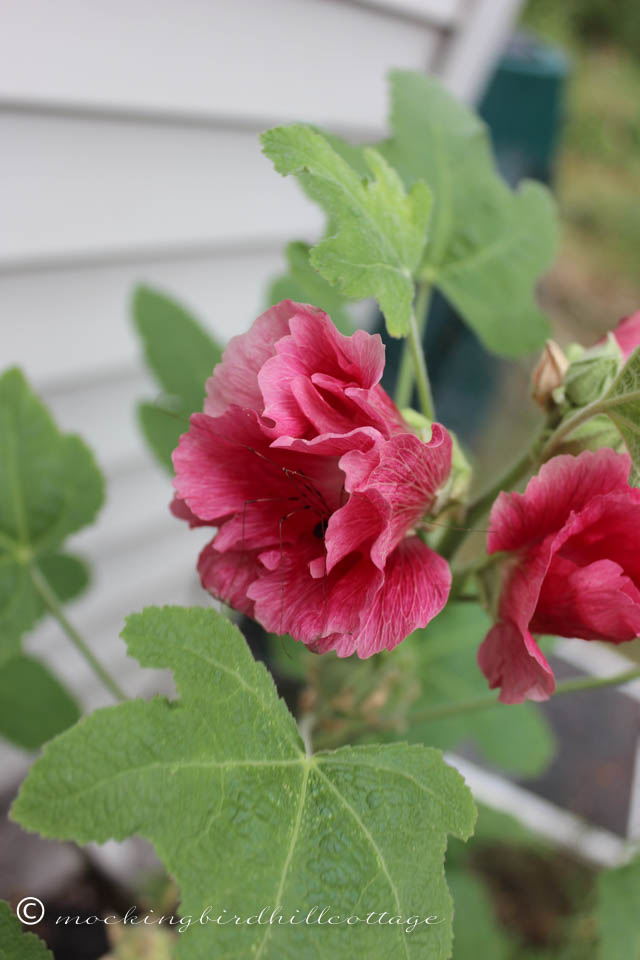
20	604
68	575
380	230
594	434
17	945
179	352
488	245
475	921
622	404
516	738
617	915
34	706
304	284
181	356
162	429
241	817
289	657
50	487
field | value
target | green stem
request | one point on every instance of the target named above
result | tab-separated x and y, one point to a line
408	367
593	683
420	366
567	427
54	607
489	700
454	536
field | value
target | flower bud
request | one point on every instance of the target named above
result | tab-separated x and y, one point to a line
549	373
591	374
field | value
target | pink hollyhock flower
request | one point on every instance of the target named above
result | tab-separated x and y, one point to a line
573	568
627	334
316	485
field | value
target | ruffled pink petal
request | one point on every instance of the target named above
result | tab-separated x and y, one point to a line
358	464
362	524
225	463
378	408
363	406
288	363
563	485
513	661
318	412
415	589
333	444
315	349
311	608
408	475
235	378
609	527
509	656
267	523
393	485
563	586
180	510
228	575
596	602
323	349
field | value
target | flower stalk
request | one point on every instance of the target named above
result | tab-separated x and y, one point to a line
454	537
54	607
489	700
413	367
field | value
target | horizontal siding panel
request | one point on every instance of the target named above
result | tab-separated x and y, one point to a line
104	414
75	323
136	508
441	13
321	60
74	187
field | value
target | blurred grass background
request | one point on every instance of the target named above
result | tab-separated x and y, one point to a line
597	172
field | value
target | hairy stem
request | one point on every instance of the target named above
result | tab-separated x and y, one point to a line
54	607
476	511
567	427
489	700
408	366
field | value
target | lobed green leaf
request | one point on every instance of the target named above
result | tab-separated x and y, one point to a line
50	487
242	817
379	230
34	706
162	428
488	245
181	355
621	403
179	352
15	944
475	921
